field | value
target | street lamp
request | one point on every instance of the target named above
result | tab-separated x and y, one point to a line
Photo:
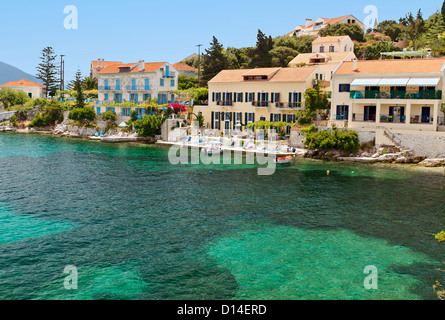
62	72
199	64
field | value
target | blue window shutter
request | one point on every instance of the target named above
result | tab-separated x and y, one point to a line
98	110
133	84
167	71
106	96
147	84
173	83
118	84
162	82
136	98
106	84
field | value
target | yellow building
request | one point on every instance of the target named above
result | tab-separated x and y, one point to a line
240	97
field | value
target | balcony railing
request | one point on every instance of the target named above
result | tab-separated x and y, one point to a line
224	103
394	94
171	74
108	88
358	117
137	88
261	104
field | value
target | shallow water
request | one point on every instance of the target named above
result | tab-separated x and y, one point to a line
138	227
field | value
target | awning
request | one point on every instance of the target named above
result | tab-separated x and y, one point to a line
419	82
394	82
123	125
365	82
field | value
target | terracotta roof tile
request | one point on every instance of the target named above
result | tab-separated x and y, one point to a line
149	67
22	83
392	66
183	67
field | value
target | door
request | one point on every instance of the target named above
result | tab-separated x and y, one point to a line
426	111
342	112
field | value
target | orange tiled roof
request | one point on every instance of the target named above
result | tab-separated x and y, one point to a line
149	67
280	75
183	67
106	63
392	66
22	83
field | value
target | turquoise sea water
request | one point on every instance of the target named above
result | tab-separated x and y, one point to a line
138	227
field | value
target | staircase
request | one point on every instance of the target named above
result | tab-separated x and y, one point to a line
391	136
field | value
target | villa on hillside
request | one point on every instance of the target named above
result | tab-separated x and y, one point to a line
396	95
136	83
239	97
32	89
313	27
328	52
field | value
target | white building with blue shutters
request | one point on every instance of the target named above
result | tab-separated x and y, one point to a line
136	83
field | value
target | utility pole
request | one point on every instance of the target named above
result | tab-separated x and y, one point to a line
62	73
199	65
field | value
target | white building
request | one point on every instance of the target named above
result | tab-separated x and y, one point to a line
313	27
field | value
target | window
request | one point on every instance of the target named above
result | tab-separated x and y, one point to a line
172	83
275	97
118	84
117	97
321	49
30	95
216	122
239	97
147	84
295	99
106	96
146	96
345	87
106	84
331	49
133	84
250	117
162	83
275	117
250	96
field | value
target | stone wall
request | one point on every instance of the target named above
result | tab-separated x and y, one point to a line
366	136
425	145
4	116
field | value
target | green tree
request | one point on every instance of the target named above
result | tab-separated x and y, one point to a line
343	29
413	28
214	60
10	97
47	71
85	114
302	44
149	126
52	113
185	83
315	100
391	29
261	54
281	56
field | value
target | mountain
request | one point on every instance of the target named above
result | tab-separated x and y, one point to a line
10	73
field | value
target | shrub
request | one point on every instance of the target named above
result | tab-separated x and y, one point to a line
149	126
52	113
343	140
13	121
109	116
85	114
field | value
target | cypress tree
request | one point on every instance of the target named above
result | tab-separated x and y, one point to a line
78	83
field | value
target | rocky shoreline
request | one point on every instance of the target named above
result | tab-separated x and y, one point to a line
370	156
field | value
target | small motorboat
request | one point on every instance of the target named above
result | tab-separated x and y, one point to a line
284	160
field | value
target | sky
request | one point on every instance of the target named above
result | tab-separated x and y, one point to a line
168	30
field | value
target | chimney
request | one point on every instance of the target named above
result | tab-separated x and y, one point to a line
308	22
355	65
98	63
141	65
103	63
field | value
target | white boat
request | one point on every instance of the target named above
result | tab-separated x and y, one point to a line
284	160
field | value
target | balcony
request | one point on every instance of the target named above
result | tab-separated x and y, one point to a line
224	103
108	88
260	104
171	74
394	94
287	105
137	88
